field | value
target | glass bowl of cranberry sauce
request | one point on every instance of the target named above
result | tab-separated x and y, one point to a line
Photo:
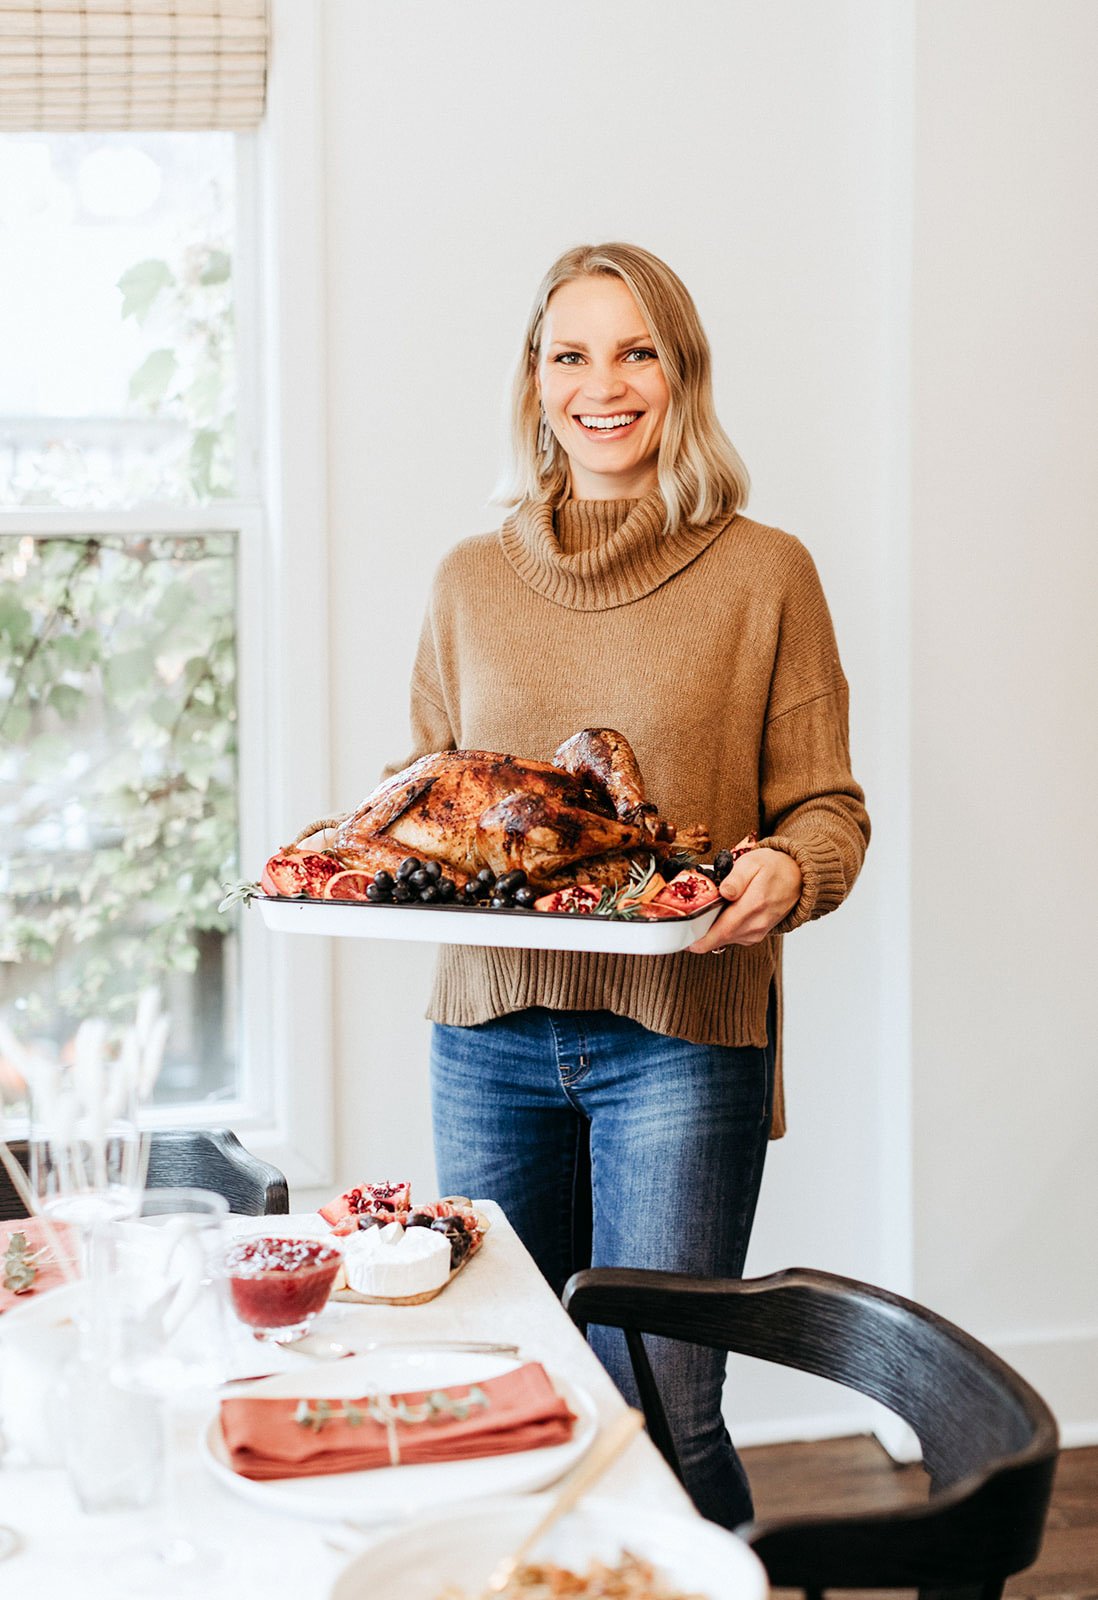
277	1286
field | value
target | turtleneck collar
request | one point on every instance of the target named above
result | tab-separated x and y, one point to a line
593	555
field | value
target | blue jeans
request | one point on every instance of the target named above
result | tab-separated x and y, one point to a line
612	1146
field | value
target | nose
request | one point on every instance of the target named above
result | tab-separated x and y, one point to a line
603	382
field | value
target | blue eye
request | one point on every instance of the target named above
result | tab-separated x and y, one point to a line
568	357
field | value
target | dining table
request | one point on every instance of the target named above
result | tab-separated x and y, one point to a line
498	1296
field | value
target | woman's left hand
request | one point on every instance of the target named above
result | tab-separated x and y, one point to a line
762	887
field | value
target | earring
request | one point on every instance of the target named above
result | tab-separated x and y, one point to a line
545	435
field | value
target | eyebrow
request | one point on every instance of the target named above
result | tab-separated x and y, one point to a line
623	344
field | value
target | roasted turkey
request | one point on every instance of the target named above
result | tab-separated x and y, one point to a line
582	817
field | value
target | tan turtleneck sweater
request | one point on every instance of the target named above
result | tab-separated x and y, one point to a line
712	651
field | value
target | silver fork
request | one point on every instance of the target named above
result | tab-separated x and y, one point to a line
322	1348
319	1348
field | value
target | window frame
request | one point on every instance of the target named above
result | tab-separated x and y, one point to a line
284	1108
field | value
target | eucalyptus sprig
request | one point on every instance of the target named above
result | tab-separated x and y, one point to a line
387	1409
238	894
21	1263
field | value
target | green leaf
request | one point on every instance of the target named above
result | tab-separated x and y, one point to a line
219	264
147	733
194	670
200	397
151	380
176	601
66	701
75	652
34	948
200	467
130	671
16	722
16	622
141	285
163	711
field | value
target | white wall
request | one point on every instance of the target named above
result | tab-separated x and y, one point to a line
767	153
1005	660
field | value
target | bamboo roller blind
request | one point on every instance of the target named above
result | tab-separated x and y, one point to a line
69	65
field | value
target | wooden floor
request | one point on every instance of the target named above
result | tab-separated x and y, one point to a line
857	1475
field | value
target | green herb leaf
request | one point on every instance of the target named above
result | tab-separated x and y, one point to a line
141	285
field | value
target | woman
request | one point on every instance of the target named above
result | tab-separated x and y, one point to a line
618	1107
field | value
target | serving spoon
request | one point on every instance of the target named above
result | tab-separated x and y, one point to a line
604	1452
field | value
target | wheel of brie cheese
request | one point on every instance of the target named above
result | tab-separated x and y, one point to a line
392	1262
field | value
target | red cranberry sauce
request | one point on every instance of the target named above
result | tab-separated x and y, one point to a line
277	1282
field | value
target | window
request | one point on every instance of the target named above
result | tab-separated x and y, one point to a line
163	501
118	782
118	381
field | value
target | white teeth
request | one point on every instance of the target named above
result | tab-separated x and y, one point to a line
620	421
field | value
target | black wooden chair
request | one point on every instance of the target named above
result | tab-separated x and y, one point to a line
989	1442
205	1158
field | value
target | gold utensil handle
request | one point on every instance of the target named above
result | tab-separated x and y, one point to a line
603	1453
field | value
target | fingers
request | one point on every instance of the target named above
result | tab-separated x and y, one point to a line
761	888
742	874
726	859
712	942
745	922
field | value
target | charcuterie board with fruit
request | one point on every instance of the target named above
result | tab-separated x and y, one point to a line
397	1254
470	847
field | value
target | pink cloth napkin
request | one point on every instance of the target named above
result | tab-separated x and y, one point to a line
522	1412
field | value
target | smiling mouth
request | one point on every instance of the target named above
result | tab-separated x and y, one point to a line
612	424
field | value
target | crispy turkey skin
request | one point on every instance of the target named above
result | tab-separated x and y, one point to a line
583	813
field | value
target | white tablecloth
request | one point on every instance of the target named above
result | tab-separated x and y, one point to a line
500	1295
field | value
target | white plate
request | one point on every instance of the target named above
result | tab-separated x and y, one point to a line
515	930
418	1564
382	1494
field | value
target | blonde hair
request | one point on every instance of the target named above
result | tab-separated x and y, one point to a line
701	475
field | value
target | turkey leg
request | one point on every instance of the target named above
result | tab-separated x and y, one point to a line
539	834
606	759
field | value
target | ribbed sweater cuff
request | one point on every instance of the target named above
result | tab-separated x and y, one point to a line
824	884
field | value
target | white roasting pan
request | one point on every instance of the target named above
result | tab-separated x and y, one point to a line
481	925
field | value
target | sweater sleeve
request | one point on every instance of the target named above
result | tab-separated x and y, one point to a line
811	806
430	721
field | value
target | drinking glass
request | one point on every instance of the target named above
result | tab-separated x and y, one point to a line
87	1163
169	1341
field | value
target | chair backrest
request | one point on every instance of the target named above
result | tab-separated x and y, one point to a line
205	1158
989	1441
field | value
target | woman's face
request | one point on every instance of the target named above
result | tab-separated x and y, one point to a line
602	388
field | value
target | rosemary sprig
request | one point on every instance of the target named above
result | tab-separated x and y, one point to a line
641	876
610	906
619	903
